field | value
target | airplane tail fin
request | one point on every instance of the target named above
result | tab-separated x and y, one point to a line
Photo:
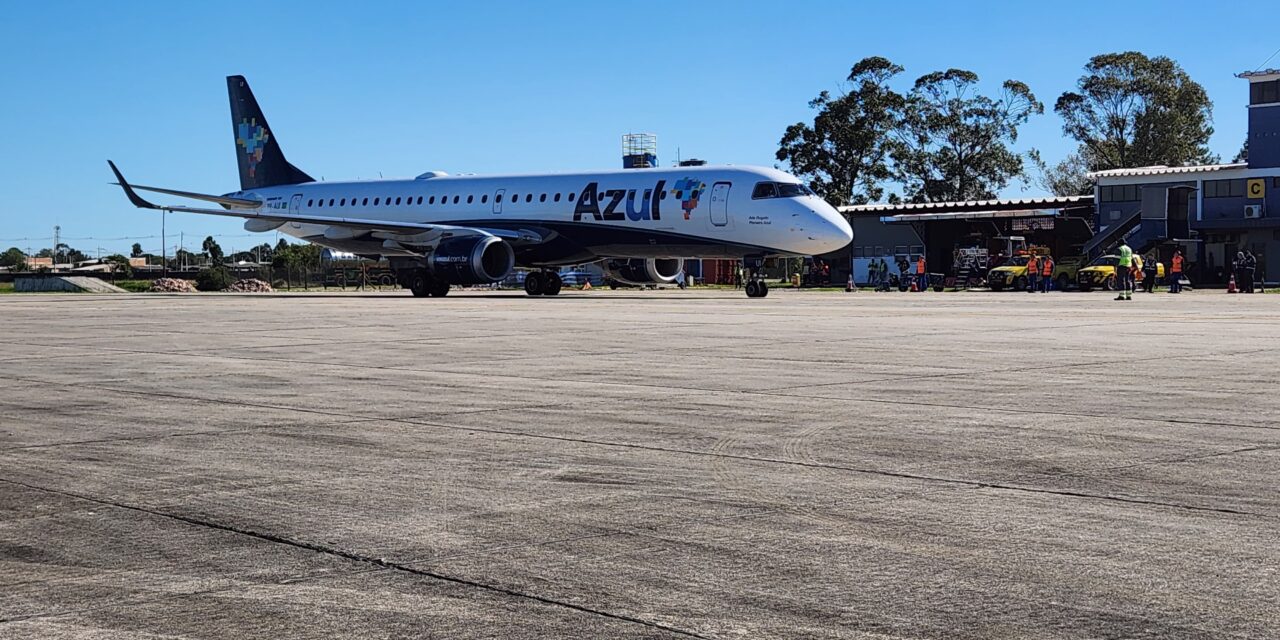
262	163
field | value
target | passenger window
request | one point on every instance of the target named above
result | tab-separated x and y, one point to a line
556	198
311	203
365	202
528	197
498	198
515	198
455	199
679	194
397	201
342	203
331	202
419	199
542	198
664	195
764	190
484	198
470	199
572	195
376	201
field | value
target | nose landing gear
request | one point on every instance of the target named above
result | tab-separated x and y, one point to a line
755	286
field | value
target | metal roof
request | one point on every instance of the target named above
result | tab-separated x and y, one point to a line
1161	170
971	206
1259	73
969	215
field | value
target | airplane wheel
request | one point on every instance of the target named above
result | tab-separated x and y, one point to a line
552	285
533	284
753	289
762	290
420	284
439	289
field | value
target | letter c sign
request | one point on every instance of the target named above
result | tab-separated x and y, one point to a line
1256	188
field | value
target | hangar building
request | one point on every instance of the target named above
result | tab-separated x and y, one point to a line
1210	211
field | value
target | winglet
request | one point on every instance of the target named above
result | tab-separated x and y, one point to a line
128	190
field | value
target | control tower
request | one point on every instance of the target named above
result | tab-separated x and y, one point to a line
639	151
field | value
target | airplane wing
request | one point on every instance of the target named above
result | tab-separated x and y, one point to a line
417	233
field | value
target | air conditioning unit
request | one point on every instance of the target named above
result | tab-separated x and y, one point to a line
1253	211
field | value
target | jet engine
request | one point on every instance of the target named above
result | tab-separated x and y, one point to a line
644	271
472	260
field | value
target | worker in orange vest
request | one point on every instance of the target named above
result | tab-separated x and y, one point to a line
1175	272
1046	273
1033	273
922	278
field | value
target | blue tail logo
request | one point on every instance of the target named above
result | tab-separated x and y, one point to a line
251	137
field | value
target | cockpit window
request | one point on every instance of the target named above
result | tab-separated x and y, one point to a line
793	190
765	190
780	190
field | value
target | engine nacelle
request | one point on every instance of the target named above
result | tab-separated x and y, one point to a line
472	260
642	271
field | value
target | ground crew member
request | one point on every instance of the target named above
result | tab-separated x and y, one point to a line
1175	272
1033	272
1250	270
1046	273
922	278
1150	270
1124	273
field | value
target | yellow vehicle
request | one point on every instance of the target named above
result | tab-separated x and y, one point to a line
1013	274
1101	274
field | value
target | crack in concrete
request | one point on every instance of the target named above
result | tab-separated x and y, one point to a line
356	557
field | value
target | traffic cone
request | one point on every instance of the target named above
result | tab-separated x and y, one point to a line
1231	285
848	287
913	286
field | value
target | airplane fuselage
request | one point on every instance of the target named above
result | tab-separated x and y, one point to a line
689	212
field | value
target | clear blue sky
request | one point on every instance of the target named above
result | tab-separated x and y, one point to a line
357	90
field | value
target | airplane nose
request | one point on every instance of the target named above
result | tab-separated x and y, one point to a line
830	231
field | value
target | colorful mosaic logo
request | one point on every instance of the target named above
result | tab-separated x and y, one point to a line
251	137
688	190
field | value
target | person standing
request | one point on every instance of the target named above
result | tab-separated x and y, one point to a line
1250	270
1175	272
1124	273
922	276
1046	273
1150	269
1033	272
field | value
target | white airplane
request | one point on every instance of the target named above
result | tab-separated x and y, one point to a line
438	230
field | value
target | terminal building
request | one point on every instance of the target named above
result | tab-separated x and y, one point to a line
1211	212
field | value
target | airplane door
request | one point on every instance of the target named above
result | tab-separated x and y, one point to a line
497	200
295	203
720	204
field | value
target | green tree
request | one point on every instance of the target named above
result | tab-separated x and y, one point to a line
844	154
1069	177
955	142
1243	154
215	278
1131	110
137	251
119	265
12	257
212	248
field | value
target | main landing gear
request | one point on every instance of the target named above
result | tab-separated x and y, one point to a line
542	283
423	284
755	285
